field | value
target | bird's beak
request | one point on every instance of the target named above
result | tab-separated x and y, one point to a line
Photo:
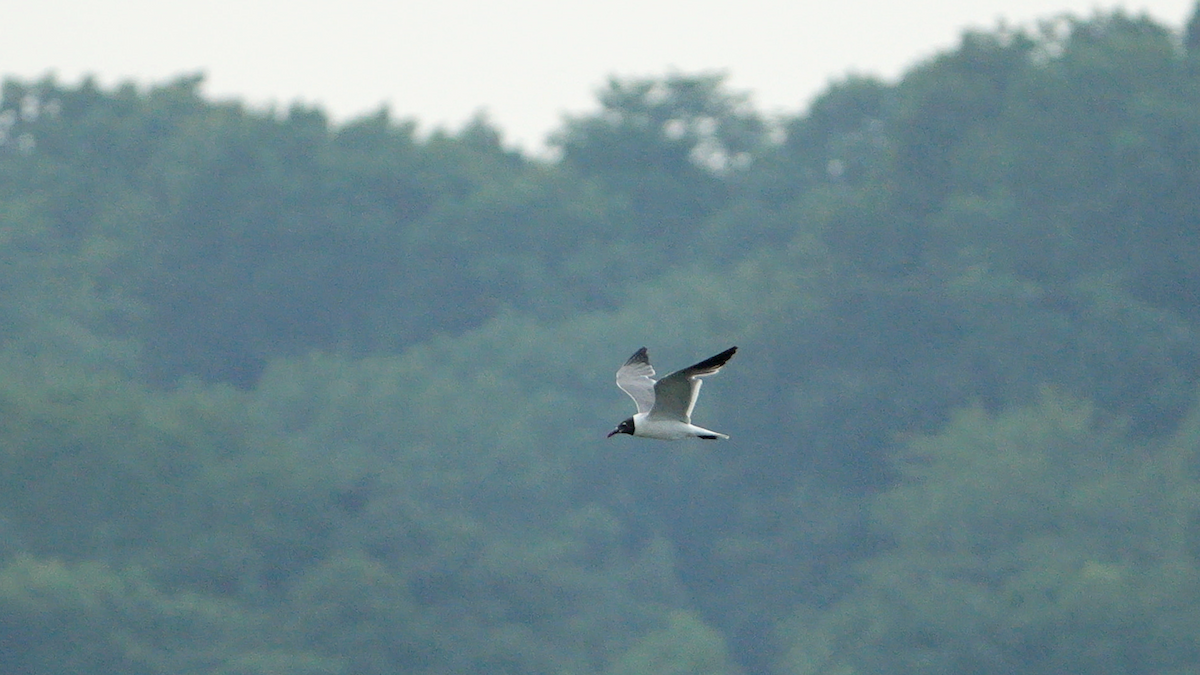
611	433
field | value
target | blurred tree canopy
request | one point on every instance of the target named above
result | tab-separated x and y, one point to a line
284	395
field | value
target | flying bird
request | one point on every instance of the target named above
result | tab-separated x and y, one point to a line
664	408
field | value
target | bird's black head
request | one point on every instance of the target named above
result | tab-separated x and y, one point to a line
625	427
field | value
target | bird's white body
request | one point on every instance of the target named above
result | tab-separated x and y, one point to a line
670	430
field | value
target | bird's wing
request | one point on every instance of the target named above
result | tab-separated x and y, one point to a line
675	395
634	378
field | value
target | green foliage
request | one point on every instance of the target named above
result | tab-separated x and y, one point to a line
1035	540
89	617
685	647
667	146
841	139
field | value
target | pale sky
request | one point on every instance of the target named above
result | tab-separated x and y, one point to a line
525	62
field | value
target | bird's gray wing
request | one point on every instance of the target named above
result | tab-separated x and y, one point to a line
634	378
675	395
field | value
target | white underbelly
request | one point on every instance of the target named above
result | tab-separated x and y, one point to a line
666	430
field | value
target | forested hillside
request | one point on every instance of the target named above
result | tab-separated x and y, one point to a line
280	395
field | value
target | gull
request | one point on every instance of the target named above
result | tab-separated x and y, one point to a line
664	408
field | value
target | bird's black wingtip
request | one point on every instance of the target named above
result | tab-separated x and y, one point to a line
718	360
640	356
